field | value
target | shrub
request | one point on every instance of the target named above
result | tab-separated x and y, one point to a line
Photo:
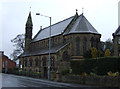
84	74
94	52
116	74
37	74
107	53
92	74
13	71
65	72
99	66
87	54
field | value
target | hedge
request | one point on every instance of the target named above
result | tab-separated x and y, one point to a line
99	66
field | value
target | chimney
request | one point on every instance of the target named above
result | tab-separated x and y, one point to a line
1	53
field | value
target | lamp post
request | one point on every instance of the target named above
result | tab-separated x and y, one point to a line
49	44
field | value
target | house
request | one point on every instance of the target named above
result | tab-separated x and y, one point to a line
6	63
70	38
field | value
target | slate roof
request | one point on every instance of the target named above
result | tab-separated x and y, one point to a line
117	32
56	29
80	25
44	51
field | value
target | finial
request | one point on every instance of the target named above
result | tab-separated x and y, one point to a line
82	10
76	10
30	8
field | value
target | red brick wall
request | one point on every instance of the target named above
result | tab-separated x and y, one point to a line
10	63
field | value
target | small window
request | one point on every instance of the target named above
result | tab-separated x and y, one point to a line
31	62
58	39
92	42
77	46
44	59
119	40
25	63
64	40
52	61
65	56
36	62
96	43
53	41
84	45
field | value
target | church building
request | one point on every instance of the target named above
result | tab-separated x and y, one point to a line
70	38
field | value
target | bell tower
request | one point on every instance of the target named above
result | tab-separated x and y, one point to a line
28	31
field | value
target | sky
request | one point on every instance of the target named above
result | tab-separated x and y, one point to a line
102	14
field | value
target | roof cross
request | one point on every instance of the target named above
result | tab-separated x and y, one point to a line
76	10
82	10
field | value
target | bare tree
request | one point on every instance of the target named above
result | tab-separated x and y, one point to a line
19	42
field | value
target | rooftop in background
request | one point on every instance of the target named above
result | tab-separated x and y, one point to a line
117	32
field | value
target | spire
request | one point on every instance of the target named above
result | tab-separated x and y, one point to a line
29	20
28	32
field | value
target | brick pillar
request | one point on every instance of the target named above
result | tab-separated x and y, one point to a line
52	75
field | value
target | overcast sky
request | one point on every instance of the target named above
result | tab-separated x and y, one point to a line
102	14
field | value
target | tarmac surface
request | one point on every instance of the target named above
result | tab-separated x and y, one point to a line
10	81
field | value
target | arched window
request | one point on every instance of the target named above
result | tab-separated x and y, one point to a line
31	62
44	43
119	40
44	59
25	62
64	40
48	42
53	41
77	46
58	40
20	64
84	45
92	42
36	62
66	56
53	61
96	43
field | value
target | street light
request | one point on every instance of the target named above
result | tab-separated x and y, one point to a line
49	44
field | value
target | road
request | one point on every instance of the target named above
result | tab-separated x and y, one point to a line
13	81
